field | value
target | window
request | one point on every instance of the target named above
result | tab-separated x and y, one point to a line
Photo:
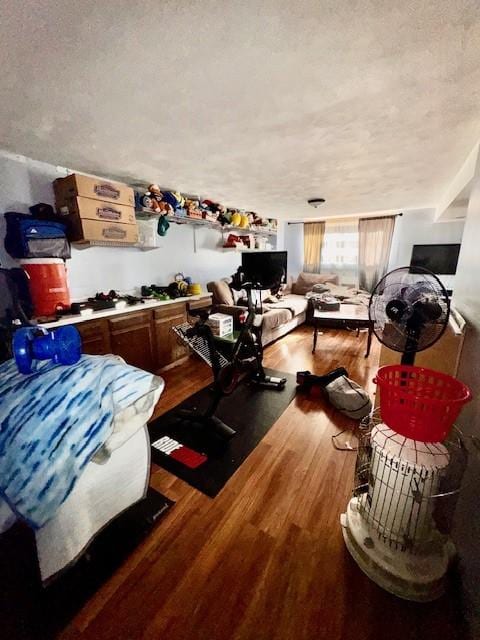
340	250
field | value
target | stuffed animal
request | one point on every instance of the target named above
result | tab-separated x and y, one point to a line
153	199
243	221
223	215
182	284
235	219
209	210
163	226
174	199
233	241
146	201
155	196
193	210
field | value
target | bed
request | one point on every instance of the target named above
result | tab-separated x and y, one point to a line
113	479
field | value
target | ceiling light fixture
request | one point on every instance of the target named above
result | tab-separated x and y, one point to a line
316	202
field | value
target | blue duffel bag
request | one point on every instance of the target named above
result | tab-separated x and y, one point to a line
29	237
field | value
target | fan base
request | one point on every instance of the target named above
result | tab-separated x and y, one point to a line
416	577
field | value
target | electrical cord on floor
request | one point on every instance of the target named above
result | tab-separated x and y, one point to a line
348	446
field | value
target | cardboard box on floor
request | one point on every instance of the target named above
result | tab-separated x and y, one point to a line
96	188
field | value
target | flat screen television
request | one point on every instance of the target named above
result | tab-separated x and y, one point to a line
264	269
440	259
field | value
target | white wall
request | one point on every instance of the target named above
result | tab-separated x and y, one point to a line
24	182
419	227
467	300
414	227
293	239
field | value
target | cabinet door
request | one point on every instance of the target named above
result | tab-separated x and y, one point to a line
167	347
132	338
95	337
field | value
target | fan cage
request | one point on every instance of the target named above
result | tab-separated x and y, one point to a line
407	284
407	506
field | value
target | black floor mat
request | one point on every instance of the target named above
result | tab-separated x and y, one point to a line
250	410
27	610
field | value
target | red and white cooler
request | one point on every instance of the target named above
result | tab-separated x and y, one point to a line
48	284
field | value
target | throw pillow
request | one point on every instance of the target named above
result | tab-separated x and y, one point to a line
305	281
222	294
320	288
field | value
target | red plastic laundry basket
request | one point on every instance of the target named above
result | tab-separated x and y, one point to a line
420	403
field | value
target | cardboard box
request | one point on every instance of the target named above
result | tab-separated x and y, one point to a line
97	210
96	188
114	233
221	324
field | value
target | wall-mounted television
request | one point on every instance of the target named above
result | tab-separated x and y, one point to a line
438	258
264	269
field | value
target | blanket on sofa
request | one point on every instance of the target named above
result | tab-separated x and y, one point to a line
345	294
53	421
294	303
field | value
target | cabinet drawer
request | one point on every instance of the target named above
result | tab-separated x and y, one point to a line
204	303
129	321
170	310
92	328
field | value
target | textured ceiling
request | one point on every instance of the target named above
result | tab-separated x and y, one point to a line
372	105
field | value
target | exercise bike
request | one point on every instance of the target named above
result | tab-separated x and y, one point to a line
246	360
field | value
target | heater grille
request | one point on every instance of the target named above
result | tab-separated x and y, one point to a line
406	489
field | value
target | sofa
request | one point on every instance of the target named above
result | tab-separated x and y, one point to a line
279	316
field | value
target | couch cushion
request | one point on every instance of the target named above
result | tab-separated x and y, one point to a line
305	281
274	318
222	294
296	304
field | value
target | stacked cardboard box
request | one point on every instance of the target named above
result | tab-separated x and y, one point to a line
96	210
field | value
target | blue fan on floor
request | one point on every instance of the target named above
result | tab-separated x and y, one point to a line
62	346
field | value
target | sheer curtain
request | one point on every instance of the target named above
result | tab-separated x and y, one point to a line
340	249
375	240
313	233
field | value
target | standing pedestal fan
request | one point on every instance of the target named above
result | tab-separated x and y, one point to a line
409	469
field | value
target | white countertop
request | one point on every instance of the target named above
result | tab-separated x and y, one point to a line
106	313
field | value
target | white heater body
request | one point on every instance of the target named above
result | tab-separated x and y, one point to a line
389	526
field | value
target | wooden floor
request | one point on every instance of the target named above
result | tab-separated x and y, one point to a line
265	559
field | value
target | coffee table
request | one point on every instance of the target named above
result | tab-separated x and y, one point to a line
350	316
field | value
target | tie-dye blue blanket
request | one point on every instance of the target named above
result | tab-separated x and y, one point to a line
52	421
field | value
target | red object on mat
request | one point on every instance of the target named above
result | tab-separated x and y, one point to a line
190	458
